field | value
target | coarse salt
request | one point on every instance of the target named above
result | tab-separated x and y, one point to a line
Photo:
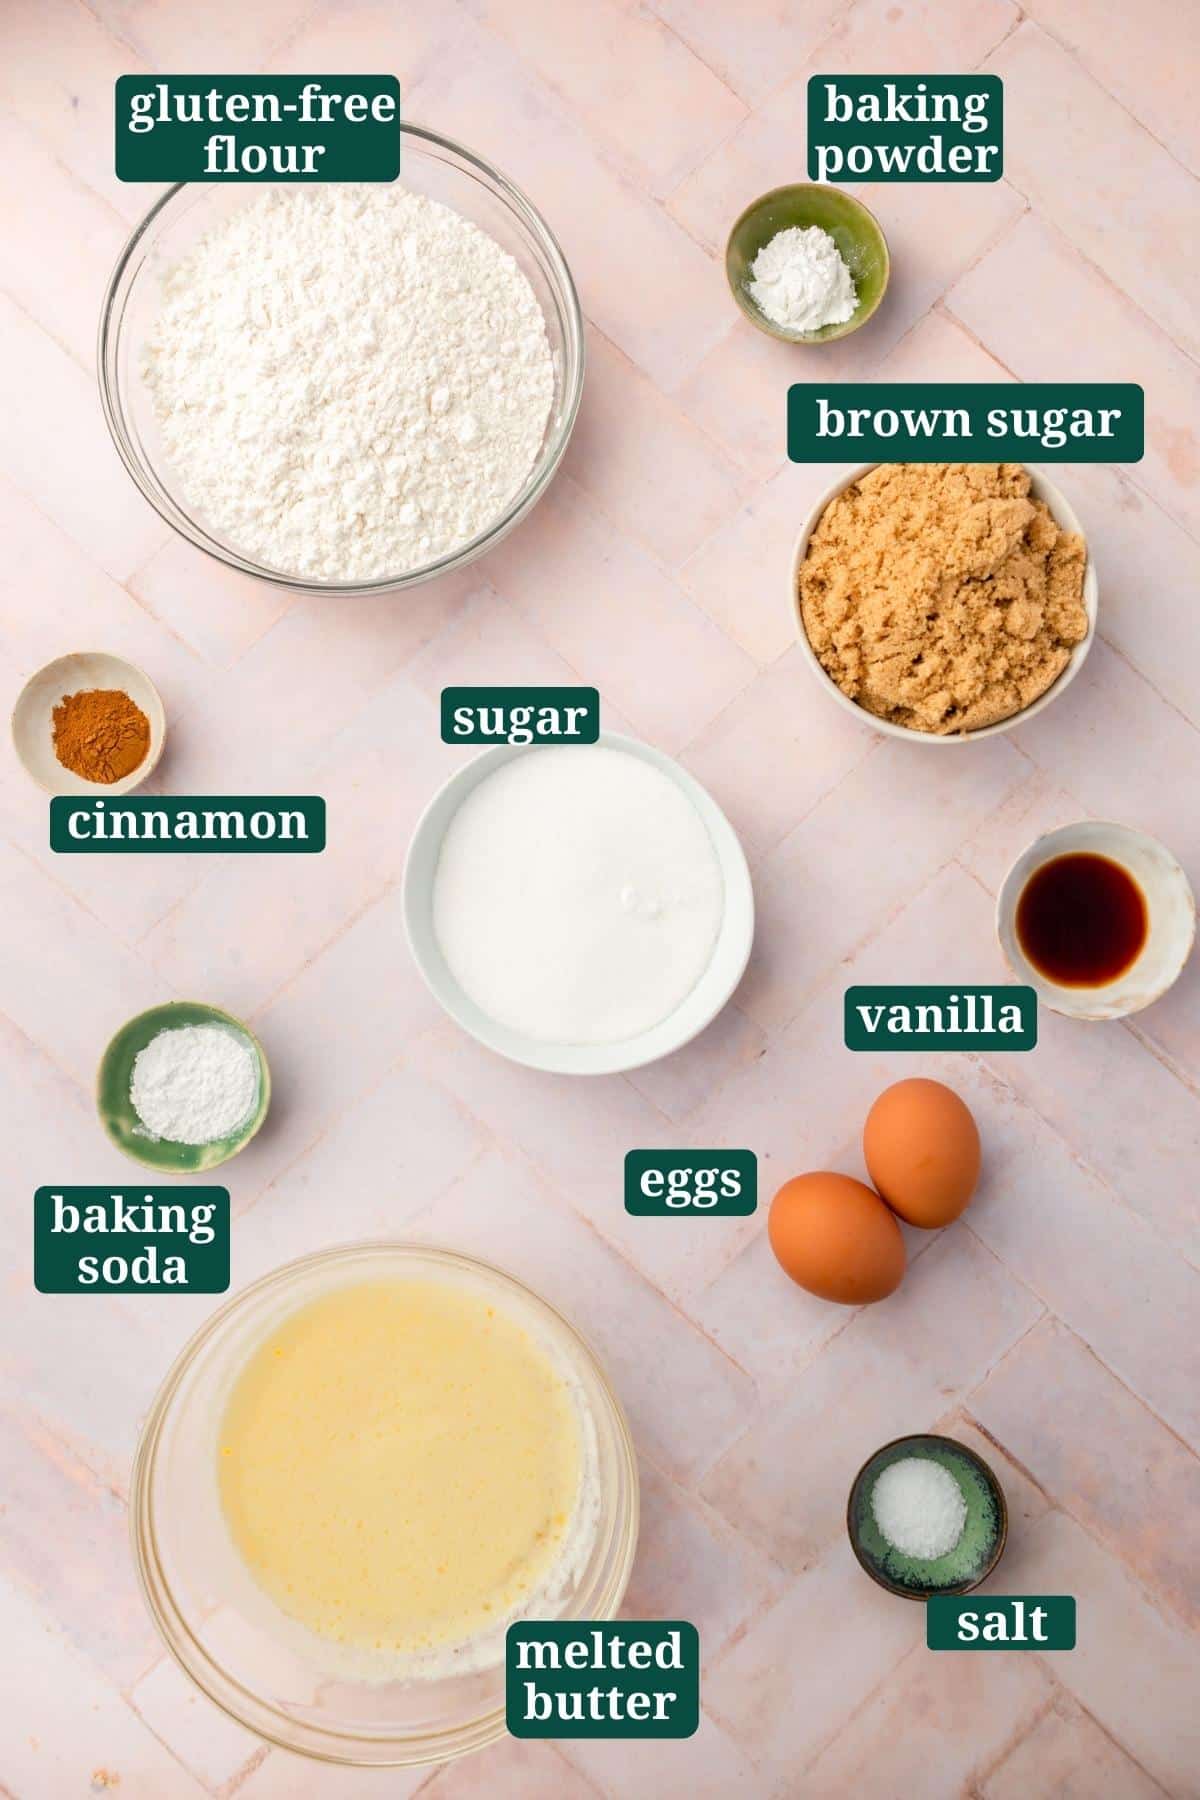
919	1507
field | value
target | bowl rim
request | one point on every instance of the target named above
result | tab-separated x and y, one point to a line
100	789
1081	1003
545	468
826	334
1065	516
215	1012
971	1455
591	1059
201	1667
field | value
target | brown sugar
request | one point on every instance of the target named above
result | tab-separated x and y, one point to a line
100	734
941	596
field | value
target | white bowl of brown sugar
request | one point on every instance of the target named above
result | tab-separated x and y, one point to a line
943	602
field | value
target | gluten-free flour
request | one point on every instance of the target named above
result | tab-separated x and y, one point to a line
349	381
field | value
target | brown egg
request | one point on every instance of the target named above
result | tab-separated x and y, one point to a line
922	1150
836	1238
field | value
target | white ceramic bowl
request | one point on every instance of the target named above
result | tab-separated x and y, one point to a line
33	723
697	1010
1065	515
1169	904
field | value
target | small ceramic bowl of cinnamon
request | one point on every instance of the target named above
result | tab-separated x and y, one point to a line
89	723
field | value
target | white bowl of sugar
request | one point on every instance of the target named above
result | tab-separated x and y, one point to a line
582	910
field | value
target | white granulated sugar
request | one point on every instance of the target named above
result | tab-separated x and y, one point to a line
349	381
800	280
194	1084
578	896
919	1507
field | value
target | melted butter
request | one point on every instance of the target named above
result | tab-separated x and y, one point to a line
399	1462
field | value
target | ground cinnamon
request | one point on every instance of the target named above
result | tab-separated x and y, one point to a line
100	734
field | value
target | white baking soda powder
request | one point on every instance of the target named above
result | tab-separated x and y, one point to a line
193	1084
578	896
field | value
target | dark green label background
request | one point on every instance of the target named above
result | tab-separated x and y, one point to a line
858	1037
889	137
56	1254
368	150
310	806
509	698
687	1163
683	1715
943	1612
977	397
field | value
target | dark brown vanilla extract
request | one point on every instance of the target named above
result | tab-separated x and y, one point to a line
1081	920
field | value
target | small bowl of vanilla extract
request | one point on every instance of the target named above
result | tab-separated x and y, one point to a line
1099	919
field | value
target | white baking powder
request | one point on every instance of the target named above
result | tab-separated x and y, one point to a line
578	896
801	280
919	1507
194	1084
349	381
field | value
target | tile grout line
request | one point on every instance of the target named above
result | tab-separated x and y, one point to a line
1070	51
1050	225
983	1774
1079	1158
1120	1381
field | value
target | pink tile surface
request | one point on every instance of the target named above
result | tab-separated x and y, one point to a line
1054	1327
898	1743
956	1313
1122	50
1067	1756
602	60
1050	162
1095	332
1155	1723
1119	1470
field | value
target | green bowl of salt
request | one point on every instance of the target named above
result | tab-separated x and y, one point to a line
979	1546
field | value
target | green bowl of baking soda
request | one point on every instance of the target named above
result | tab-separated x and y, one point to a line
916	1502
852	226
215	1080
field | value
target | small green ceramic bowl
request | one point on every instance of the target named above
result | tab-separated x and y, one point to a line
116	1108
854	230
977	1551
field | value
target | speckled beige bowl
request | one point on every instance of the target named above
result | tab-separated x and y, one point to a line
1064	514
33	727
1170	906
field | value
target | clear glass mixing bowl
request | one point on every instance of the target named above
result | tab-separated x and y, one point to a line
429	164
225	1633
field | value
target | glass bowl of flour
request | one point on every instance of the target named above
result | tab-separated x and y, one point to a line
344	388
582	910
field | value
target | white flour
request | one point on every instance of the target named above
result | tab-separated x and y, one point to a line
350	381
800	280
578	897
194	1084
